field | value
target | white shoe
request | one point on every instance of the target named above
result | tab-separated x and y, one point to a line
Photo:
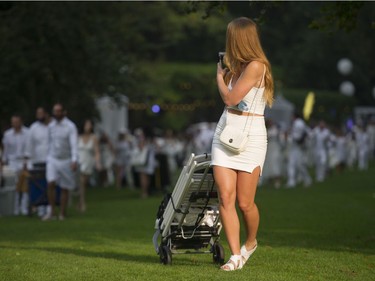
307	183
246	254
25	203
41	211
235	262
48	217
24	212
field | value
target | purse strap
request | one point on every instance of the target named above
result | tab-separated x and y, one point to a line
256	102
247	118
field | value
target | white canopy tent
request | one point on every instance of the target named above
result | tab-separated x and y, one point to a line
113	115
281	112
363	113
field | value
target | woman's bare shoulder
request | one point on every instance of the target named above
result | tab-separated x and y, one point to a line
255	66
254	69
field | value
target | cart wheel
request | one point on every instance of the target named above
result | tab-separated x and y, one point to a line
218	253
165	255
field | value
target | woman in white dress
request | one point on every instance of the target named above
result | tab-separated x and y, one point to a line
245	87
143	161
351	148
363	147
107	157
340	150
123	149
89	158
273	163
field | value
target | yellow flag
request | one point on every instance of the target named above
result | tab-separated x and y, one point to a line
309	105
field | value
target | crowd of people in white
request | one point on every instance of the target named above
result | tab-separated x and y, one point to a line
74	159
303	150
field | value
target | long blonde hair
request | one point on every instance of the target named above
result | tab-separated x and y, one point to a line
242	47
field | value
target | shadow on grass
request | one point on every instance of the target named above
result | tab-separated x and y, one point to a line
188	260
91	254
336	216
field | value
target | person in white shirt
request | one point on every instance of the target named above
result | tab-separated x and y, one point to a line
296	161
363	142
341	153
321	136
274	159
37	145
123	148
351	148
145	151
371	135
89	159
203	139
15	155
107	159
61	160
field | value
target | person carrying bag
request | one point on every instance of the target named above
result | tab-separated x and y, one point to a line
231	137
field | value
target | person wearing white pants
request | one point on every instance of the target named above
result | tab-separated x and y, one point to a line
61	161
14	155
37	144
321	136
296	161
363	142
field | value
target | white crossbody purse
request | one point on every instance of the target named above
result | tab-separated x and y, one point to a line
233	138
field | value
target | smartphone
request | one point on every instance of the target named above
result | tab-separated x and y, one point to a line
221	59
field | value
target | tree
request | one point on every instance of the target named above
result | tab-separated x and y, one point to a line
306	40
74	52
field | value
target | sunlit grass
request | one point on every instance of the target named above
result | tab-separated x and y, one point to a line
326	232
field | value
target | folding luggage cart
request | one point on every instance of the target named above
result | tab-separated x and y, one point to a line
188	219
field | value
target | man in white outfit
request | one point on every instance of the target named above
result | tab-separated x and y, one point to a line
203	140
15	155
371	135
61	160
296	161
321	136
37	145
363	142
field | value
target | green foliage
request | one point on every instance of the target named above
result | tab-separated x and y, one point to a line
308	57
338	16
177	84
57	52
186	92
199	39
324	232
75	52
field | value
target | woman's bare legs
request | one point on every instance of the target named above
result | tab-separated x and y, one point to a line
246	189
144	182
119	174
82	192
226	179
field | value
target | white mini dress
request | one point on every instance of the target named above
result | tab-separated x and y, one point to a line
254	154
86	158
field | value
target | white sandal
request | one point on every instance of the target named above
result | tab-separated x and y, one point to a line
235	262
247	254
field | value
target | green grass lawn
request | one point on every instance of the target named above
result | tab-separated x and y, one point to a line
326	232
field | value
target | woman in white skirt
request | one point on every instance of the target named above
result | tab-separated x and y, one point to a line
89	159
246	87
